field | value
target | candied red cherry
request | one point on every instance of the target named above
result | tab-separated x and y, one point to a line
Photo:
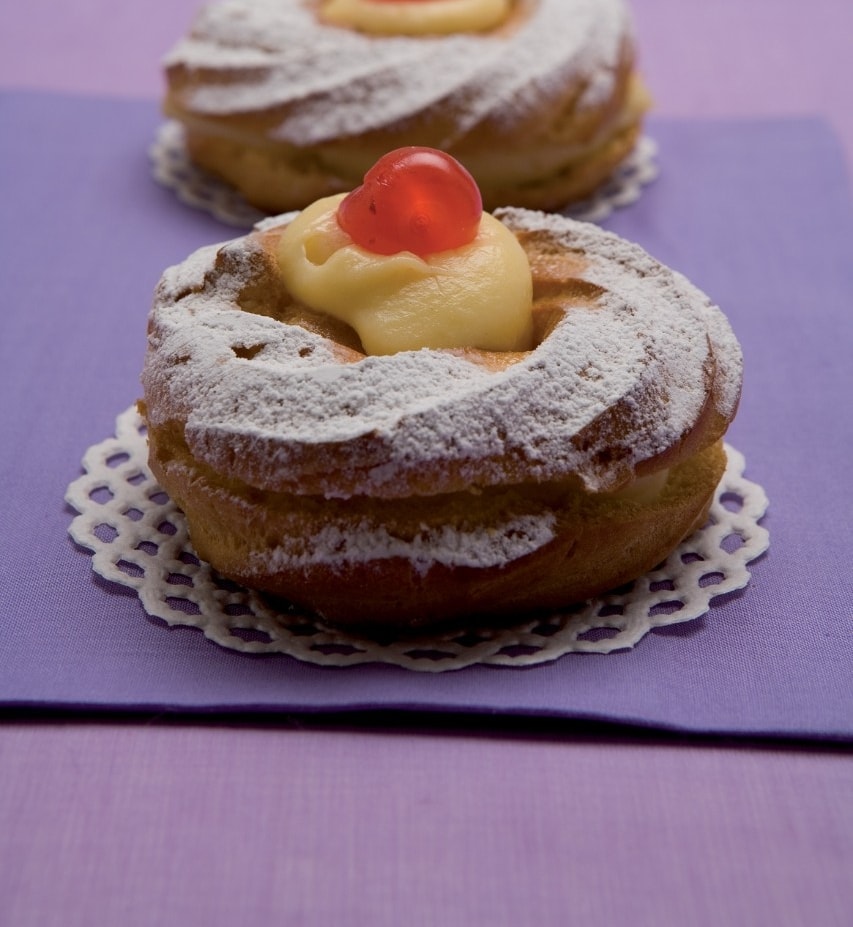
413	199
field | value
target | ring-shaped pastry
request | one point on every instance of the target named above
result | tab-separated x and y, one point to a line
289	108
429	486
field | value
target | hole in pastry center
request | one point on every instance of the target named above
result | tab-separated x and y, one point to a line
558	287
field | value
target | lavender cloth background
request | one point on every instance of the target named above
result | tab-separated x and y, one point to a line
217	824
756	213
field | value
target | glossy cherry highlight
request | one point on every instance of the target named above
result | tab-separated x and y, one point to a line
413	199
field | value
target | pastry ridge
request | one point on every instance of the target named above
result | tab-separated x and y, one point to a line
289	109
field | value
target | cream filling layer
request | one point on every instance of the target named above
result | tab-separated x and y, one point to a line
416	17
476	296
644	489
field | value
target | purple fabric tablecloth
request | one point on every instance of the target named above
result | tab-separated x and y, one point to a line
756	213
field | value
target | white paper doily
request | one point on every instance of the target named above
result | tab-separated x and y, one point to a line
197	188
139	539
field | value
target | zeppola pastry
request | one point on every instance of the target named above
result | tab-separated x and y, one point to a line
397	410
293	100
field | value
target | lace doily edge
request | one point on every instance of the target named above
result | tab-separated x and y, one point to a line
493	648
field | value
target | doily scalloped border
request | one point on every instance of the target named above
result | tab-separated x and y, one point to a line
139	539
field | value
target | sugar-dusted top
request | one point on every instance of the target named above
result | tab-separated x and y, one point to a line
625	382
311	82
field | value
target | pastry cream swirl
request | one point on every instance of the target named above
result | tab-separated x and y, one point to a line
476	296
427	17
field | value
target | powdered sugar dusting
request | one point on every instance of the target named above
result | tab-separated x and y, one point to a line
317	82
293	417
478	547
632	275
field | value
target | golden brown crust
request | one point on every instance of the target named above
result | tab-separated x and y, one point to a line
599	542
550	140
429	543
282	178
